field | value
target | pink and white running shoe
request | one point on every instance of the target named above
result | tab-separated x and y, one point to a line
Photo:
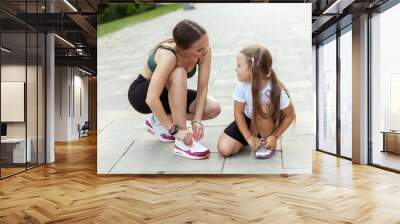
153	126
195	151
264	153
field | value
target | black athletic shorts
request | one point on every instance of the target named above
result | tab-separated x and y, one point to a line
137	94
233	131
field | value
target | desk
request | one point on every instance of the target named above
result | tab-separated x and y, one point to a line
16	148
391	141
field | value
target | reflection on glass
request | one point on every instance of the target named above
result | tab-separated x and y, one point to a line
394	101
386	89
31	101
327	97
22	89
41	99
13	85
346	94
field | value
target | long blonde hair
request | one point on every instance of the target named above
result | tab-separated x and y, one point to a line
259	60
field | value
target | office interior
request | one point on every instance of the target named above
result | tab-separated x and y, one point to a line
48	79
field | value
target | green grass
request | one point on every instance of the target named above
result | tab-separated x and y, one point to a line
107	28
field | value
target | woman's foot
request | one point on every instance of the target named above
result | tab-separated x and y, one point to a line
195	151
153	126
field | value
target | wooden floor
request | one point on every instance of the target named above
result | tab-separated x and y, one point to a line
387	159
10	171
70	191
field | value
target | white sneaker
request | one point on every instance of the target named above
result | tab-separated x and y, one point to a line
196	151
147	124
264	153
153	126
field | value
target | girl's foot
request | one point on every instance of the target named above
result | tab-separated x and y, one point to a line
195	151
264	153
153	126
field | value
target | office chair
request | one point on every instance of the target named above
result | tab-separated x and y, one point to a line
84	130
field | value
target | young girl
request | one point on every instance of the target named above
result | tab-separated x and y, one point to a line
258	124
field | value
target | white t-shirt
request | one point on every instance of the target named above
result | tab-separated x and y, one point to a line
243	94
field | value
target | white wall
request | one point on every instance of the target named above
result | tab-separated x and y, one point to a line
17	73
61	103
80	83
67	115
33	125
14	73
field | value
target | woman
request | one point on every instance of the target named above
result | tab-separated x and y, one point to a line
161	89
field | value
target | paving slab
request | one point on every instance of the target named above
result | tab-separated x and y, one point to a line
245	163
151	157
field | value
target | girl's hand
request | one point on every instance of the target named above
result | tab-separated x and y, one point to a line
261	142
271	142
185	136
253	141
198	131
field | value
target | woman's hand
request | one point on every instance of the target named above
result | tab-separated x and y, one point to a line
198	131
185	136
271	142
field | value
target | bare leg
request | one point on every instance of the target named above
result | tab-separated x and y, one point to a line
228	146
177	89
211	109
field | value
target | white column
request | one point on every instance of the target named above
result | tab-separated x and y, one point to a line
360	90
50	92
50	110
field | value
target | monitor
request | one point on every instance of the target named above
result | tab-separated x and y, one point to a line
3	129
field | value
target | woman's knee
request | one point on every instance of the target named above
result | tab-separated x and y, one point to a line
212	110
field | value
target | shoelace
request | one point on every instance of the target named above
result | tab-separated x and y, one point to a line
195	147
263	143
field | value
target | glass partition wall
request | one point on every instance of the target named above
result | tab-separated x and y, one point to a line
22	77
346	93
334	75
327	96
334	90
385	90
